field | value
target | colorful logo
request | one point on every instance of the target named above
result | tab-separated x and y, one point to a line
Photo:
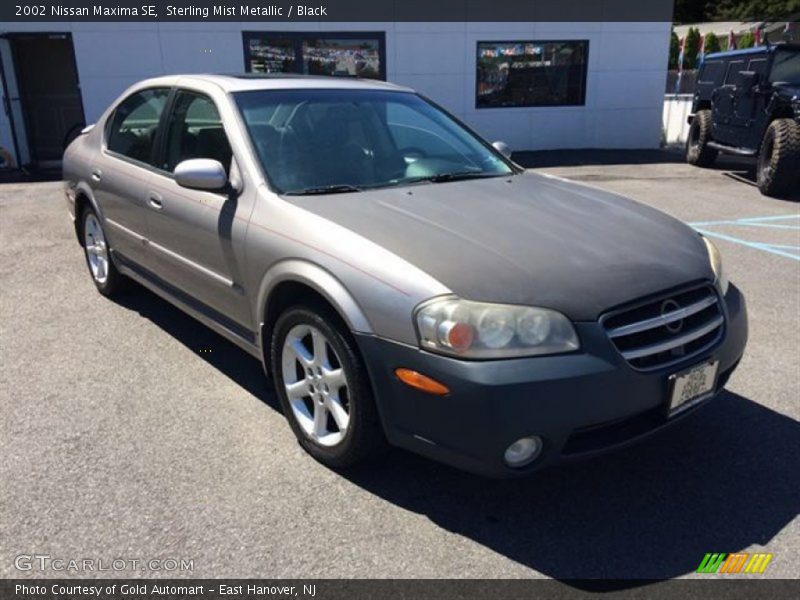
736	562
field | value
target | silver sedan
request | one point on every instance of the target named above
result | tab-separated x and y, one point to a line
402	280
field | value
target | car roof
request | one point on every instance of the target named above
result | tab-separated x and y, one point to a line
239	82
754	50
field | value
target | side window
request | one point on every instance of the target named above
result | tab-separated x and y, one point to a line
132	129
734	68
712	72
759	65
195	131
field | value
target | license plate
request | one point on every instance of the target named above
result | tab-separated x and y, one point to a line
692	386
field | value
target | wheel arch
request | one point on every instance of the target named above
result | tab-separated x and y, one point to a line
703	105
84	198
293	280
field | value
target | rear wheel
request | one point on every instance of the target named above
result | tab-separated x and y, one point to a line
323	387
698	152
778	171
106	278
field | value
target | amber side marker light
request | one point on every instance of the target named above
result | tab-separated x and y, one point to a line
421	382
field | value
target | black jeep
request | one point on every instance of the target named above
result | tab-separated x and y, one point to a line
747	102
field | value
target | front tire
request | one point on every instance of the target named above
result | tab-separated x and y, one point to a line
778	171
104	273
323	387
698	152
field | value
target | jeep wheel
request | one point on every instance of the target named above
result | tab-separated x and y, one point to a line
778	171
697	151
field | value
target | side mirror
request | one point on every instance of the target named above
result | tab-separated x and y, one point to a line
746	80
502	148
201	174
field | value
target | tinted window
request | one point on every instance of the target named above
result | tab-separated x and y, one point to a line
132	129
316	138
759	65
712	72
531	73
786	67
360	54
195	131
734	68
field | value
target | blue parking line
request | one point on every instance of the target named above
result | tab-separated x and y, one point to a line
755	245
786	246
756	221
770	225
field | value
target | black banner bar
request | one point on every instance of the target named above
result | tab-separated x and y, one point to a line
735	588
336	10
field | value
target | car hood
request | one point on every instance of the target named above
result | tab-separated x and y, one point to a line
527	239
787	90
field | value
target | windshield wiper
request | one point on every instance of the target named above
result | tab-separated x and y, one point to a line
455	176
325	189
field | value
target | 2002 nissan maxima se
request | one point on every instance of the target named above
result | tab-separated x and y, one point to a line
401	279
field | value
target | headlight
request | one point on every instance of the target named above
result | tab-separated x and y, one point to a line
716	265
467	329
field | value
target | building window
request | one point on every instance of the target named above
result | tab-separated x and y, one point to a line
348	54
546	73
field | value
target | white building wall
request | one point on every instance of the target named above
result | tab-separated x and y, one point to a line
676	112
625	82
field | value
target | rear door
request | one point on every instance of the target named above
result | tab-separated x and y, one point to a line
722	101
120	172
198	235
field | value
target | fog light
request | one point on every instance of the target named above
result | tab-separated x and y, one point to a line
523	452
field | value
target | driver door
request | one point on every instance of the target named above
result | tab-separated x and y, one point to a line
197	235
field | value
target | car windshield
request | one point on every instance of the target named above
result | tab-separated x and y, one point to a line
786	67
327	141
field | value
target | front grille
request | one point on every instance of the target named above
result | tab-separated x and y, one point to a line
668	330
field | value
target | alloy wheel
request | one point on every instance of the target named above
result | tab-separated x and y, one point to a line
96	248
316	385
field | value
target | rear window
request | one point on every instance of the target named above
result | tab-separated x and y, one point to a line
712	72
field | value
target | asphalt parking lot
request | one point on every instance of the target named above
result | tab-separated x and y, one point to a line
128	430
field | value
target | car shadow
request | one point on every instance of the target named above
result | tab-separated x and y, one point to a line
743	170
722	480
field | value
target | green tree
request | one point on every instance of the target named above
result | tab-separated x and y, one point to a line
698	11
712	43
691	48
674	50
746	40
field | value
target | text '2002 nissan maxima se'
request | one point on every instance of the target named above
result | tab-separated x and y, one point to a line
402	280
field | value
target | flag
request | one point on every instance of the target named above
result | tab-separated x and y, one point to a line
680	67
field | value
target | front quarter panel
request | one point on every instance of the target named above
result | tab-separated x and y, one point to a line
373	289
76	171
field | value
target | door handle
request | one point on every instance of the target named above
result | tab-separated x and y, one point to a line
97	174
155	201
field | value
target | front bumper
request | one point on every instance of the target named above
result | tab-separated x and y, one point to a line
580	404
